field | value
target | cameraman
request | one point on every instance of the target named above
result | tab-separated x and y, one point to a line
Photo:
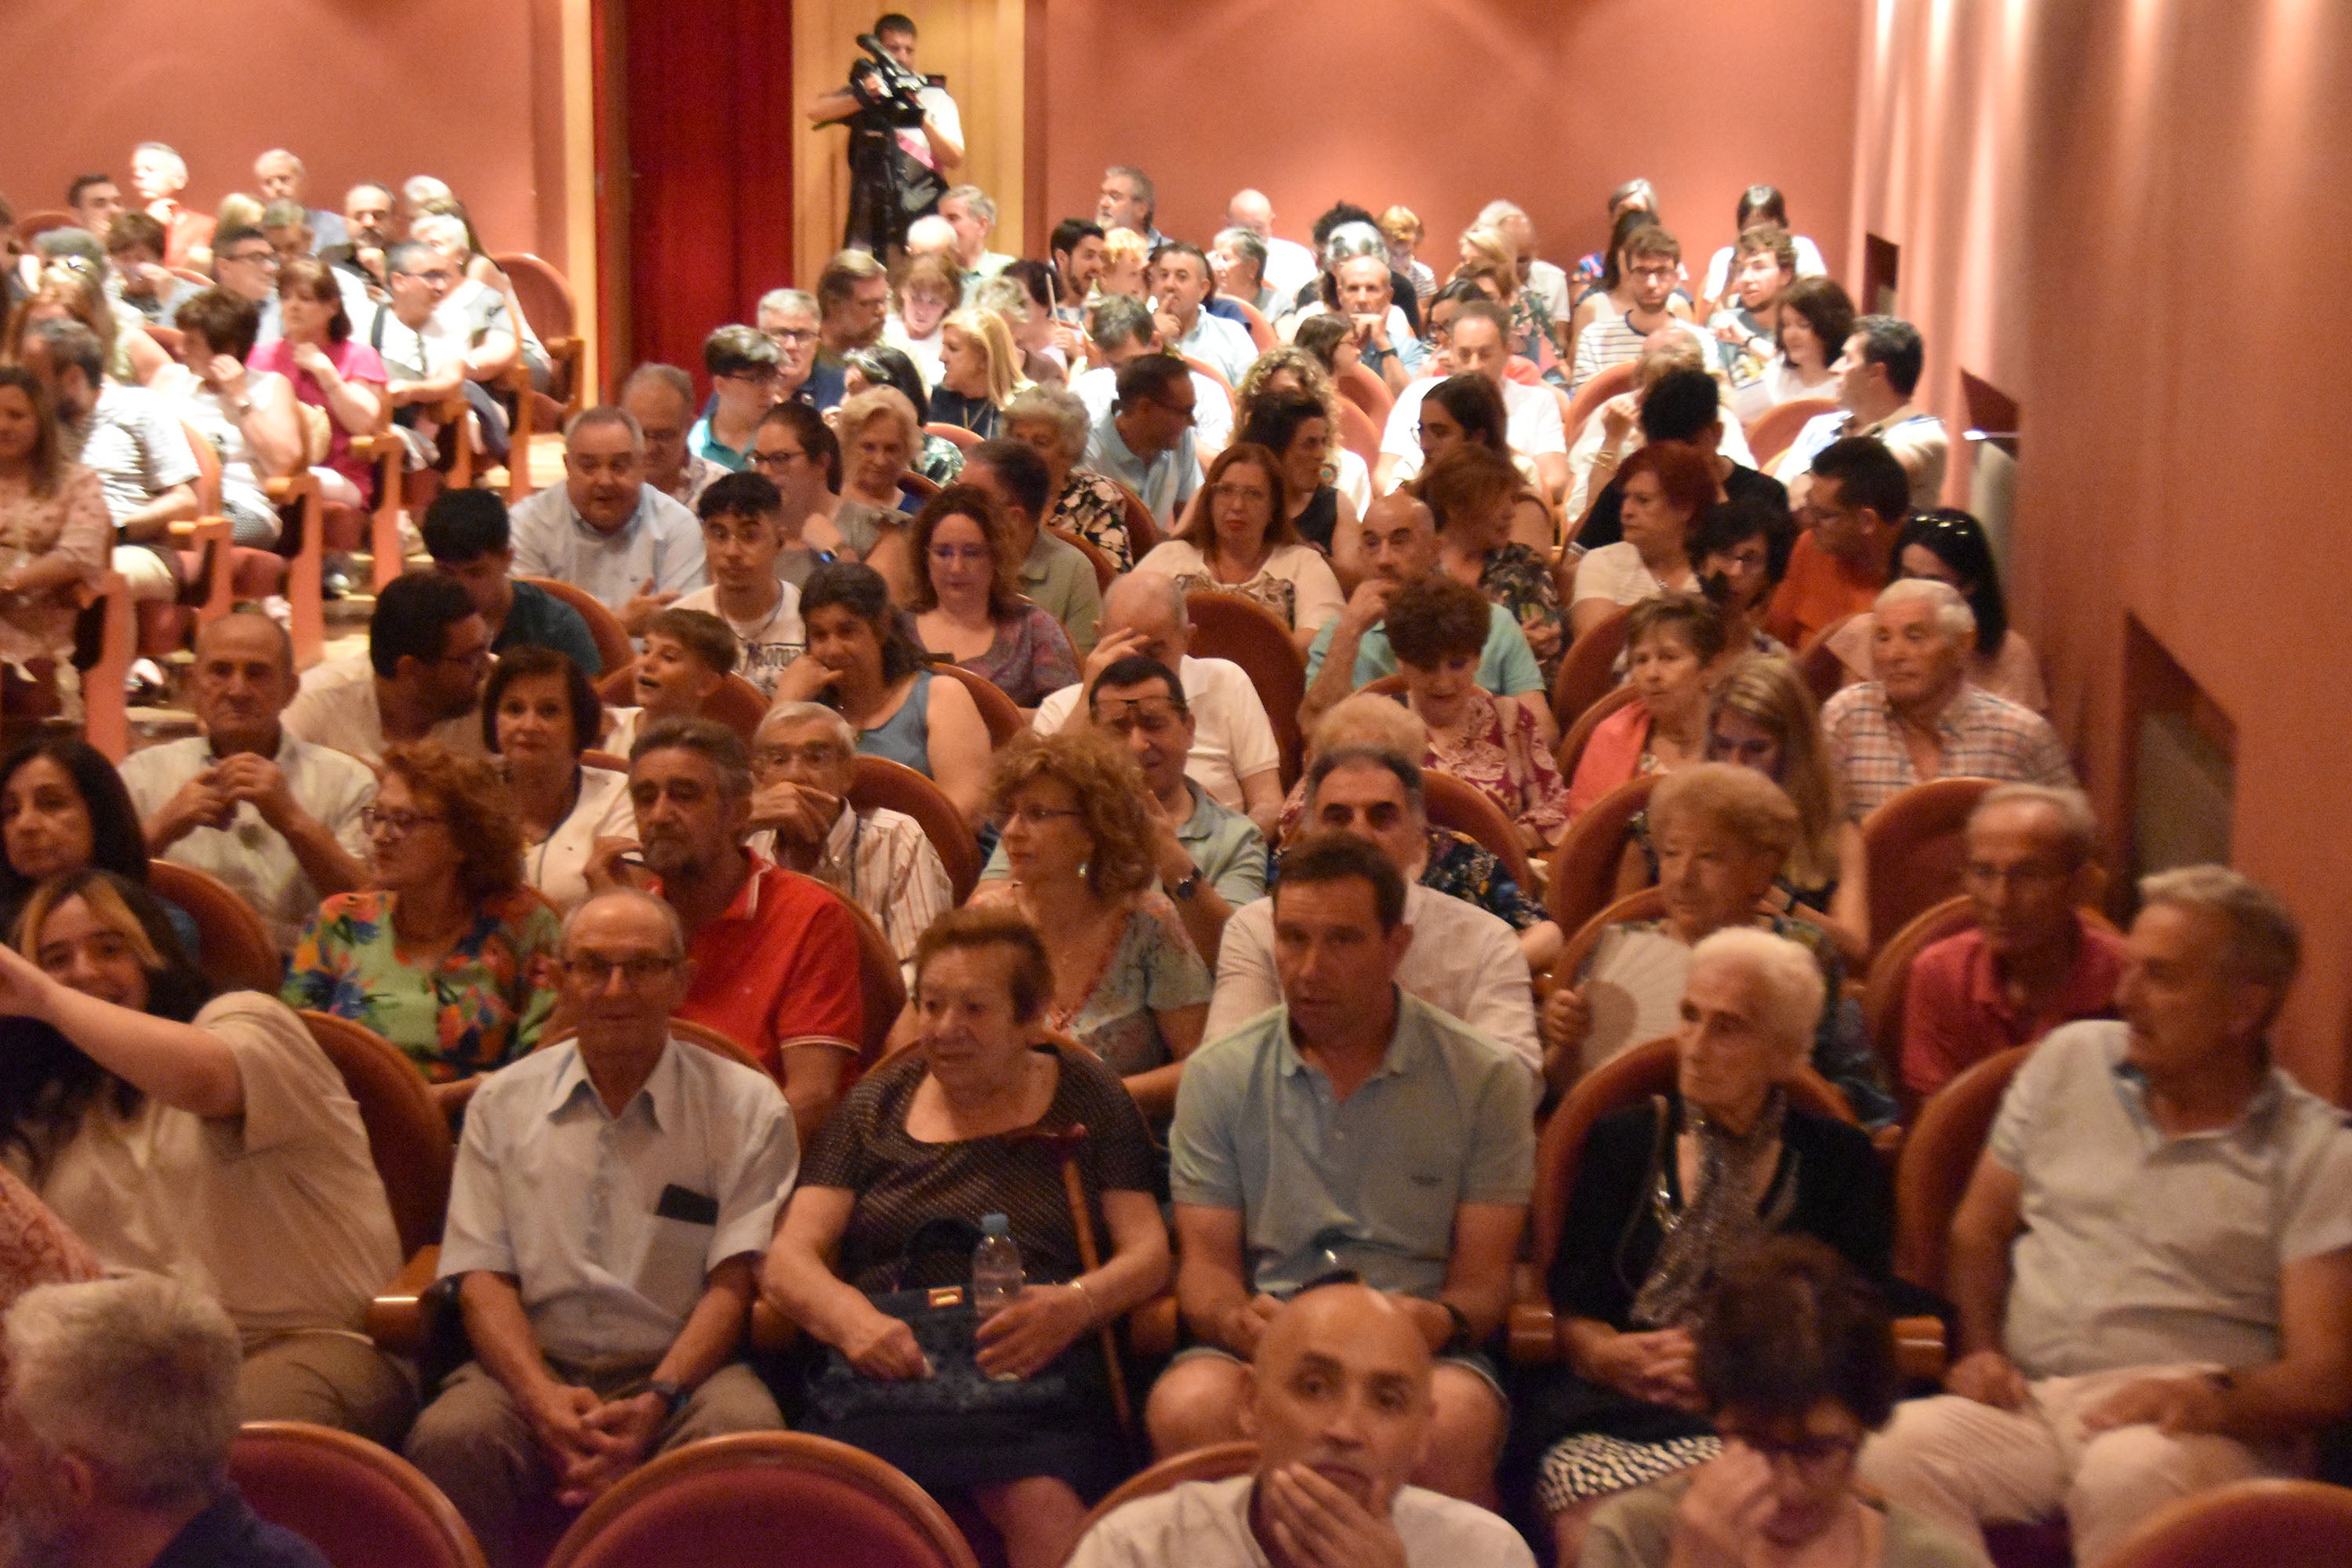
938	143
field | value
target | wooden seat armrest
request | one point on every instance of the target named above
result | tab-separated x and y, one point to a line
1533	1332
376	448
396	1319
1151	1327
515	378
290	488
1919	1349
193	533
561	348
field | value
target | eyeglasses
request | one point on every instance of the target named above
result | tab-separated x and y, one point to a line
399	824
776	459
1653	274
594	968
946	554
1034	816
764	375
258	258
1185	415
814	755
781	335
1152	715
1813	1455
1239	492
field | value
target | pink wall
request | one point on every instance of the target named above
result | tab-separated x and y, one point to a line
1443	104
466	90
2130	215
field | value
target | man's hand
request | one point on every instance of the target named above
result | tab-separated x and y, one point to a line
620	1434
1039	1324
645	607
1566	1019
1720	1521
605	869
1371	331
559	1418
1988	1377
199	803
798	814
1114	647
2171	1405
1365	606
1319	1524
248	776
1242	1327
885	1347
1168	856
1171	330
1617	416
1656	1366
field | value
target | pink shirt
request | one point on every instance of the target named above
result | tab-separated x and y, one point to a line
1955	1013
353	361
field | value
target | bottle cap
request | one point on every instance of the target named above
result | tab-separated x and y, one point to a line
996	1224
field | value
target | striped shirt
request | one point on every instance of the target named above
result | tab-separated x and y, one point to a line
1981	736
1612	338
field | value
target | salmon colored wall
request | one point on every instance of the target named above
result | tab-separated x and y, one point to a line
2130	215
1443	104
359	90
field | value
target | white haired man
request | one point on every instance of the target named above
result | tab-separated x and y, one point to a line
972	213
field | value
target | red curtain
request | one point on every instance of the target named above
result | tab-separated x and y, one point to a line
710	168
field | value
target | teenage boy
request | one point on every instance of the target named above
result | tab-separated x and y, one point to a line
742	532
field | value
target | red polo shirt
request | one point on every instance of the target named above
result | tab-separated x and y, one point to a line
779	968
1955	1013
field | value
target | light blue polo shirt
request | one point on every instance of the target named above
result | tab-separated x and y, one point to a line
1507	665
1165	483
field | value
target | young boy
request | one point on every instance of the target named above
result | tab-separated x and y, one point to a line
688	654
743	532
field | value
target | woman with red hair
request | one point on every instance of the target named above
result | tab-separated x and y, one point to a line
1667	485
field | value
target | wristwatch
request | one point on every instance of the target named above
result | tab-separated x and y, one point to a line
670	1394
1188	887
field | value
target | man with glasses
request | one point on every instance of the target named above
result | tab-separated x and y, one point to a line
420	679
1479	345
661	398
775	952
607	530
1124	328
804	761
788	319
745	367
1654	269
1144	439
245	264
425	357
612	1199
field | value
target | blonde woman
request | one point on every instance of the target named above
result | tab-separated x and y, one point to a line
980	370
1490	261
878	436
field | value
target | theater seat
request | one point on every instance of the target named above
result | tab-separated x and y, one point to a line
1217	1462
604	629
361	1505
879	782
1583	877
1915	845
1229	626
764	1500
1776	428
237	952
1588	671
408	1134
2273	1523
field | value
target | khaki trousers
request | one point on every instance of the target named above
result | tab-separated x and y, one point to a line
332	1379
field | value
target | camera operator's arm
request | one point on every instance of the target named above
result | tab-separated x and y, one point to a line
839	104
943	129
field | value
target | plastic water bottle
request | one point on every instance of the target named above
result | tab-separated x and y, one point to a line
995	1266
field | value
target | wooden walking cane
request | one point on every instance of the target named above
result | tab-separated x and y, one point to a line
1066	1144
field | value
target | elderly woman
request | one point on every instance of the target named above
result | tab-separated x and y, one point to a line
929	287
328	371
879	434
56	537
538	714
71	288
1299	430
63	809
980	370
1288	369
947	1130
1671	1191
1237	537
1722	833
936	457
1438	626
449	954
1671	645
1052	423
1128	984
1666	486
967	602
1948	546
861	662
1474	493
205	1137
250	417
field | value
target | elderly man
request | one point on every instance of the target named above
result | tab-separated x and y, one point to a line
467	535
1921	719
1238	259
1181	283
420	679
605	529
275	817
972	213
2153	1262
1124	329
1877	373
1055	575
115	1433
1396	543
1384	343
158	174
1233	756
1857	499
789	319
660	398
852	297
1129	200
2033	961
494	341
370	226
803	763
612	1198
426	354
1339	1399
775	953
1288	265
279	175
1461	959
1530	414
1144	440
1349	1125
245	265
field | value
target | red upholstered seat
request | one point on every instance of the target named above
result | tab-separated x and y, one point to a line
363	1506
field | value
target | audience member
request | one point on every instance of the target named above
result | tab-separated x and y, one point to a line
96	201
448	953
426	361
288	228
796	451
605	529
159	175
1757	205
116	1432
1615	428
1531	415
1233	756
1437	626
879	432
1739	550
1670	1195
789	319
742	522
967	1121
1664	489
1240	538
1599	272
935	457
1289	266
481	313
63	809
972	213
1076	250
1877	370
774	953
1054	574
1921	719
1339	1399
853	296
1054	422
1300	429
1145	438
1816	319
1490	264
612	1196
1238	259
1467	411
980	370
1548	283
1181	283
1641	303
1124	329
279	175
538	714
420	679
467	535
280	820
1683	405
1746	318
1949	546
1474	494
688	656
2034	958
1722	833
743	366
370	226
68	287
965	608
1794	1363
1350	1126
1462	960
928	288
1858	501
136	274
2150	1260
246	267
1128	201
57	537
1401	228
1672	643
205	1137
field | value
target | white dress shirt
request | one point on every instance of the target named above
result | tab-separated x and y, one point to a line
1232	737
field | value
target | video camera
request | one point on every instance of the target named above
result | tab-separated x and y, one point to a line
881	84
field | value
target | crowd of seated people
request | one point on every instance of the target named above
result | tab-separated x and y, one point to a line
943	857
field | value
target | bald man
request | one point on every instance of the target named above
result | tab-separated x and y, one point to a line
1341	1407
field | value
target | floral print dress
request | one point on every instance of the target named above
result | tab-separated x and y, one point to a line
480	1007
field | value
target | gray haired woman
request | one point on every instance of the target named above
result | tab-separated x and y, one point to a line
1053	422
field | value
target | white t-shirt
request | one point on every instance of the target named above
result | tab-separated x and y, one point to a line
1289	267
768	644
944	114
1298	573
335	706
923	352
557	867
1615	572
1212	411
1531	423
1232	740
